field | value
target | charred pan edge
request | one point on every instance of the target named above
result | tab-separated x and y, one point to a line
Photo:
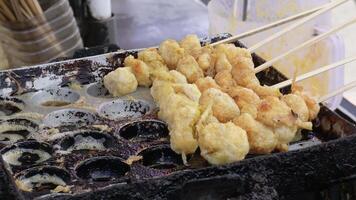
265	177
8	190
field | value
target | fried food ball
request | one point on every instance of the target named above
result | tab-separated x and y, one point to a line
224	80
261	138
232	52
140	70
247	100
243	72
224	107
285	134
264	91
298	106
178	77
244	75
273	112
189	90
181	114
171	53
190	68
223	143
152	58
120	82
276	114
191	45
206	83
222	63
161	90
206	61
162	75
313	106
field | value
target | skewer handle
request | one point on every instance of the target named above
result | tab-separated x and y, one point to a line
315	72
268	26
295	25
339	91
305	44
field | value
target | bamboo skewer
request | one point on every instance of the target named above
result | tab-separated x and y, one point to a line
268	26
295	25
338	91
308	43
315	72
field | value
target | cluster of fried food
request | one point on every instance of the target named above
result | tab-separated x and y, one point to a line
211	99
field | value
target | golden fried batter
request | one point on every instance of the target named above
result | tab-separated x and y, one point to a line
222	63
313	106
181	114
264	91
261	138
161	90
206	83
190	68
189	90
225	81
298	106
232	52
243	72
206	61
273	112
191	45
221	143
140	70
178	77
152	58
224	107
247	100
120	82
171	53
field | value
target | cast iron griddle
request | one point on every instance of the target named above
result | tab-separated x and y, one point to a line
162	176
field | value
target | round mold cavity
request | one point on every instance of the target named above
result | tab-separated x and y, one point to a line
26	153
88	140
22	122
98	90
104	168
10	106
161	157
11	133
144	130
69	117
42	178
55	97
120	109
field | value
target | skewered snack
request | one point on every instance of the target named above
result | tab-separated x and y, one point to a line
140	70
223	106
191	45
221	143
240	116
120	82
171	53
181	113
190	68
206	83
261	138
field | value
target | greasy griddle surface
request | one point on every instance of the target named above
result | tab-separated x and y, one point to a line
259	175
